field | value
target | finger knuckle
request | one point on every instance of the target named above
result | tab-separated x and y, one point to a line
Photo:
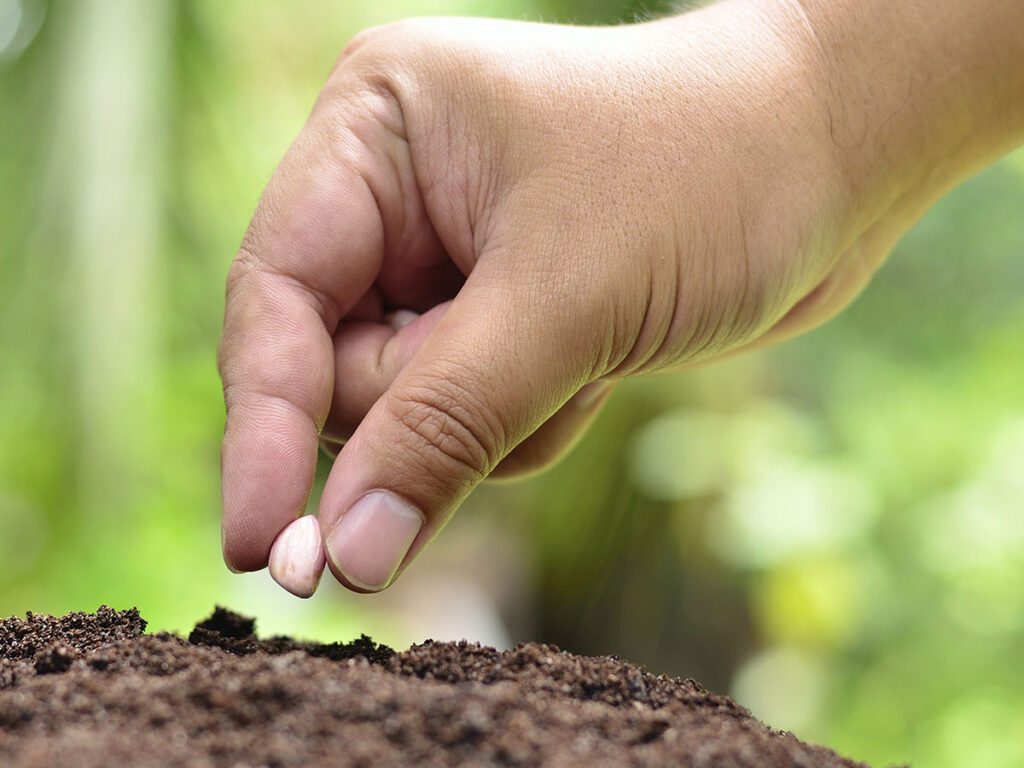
444	428
377	43
358	41
246	261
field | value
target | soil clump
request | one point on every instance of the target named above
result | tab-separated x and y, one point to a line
94	690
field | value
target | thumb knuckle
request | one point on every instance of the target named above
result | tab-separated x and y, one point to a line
446	428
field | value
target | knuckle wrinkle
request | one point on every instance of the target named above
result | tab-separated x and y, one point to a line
444	429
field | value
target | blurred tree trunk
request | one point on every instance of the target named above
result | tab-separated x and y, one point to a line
105	187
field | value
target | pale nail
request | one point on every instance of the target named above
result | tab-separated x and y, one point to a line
297	557
370	541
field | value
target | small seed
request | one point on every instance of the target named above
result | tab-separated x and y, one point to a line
297	557
400	318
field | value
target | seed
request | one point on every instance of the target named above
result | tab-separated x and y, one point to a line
400	318
297	557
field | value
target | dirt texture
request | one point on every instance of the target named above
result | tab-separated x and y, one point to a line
94	690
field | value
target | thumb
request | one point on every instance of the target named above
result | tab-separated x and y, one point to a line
495	367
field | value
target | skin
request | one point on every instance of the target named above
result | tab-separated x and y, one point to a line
562	207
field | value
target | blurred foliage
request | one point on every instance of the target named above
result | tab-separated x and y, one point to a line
831	530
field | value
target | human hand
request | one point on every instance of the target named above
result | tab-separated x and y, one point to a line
483	225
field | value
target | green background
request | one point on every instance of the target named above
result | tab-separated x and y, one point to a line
830	530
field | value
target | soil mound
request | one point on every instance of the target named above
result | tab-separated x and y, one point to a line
93	690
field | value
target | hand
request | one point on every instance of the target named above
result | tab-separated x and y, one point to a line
484	225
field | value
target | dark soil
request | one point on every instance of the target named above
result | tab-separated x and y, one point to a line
93	690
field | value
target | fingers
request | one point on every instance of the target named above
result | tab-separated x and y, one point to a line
368	358
491	370
311	255
556	436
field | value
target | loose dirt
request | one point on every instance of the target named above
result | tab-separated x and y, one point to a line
94	690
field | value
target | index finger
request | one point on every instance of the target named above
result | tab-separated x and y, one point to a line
313	249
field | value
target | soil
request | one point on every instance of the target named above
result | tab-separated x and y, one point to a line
94	690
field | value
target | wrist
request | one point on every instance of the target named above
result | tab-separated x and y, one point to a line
747	77
919	95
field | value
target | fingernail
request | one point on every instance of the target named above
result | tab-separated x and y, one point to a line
297	557
591	393
370	541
